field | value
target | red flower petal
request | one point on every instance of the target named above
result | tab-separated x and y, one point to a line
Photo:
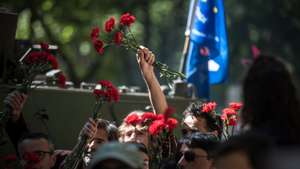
52	60
148	116
95	33
209	107
172	123
108	92
118	38
232	121
99	46
236	106
44	46
61	80
133	119
109	24
156	127
169	111
127	19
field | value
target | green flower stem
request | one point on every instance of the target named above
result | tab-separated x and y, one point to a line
97	107
73	159
164	70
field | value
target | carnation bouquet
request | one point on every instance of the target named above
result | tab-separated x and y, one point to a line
120	34
32	64
230	118
160	128
104	92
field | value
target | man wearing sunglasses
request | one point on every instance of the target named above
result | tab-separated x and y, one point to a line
197	153
36	151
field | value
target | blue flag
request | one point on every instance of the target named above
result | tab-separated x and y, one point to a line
207	57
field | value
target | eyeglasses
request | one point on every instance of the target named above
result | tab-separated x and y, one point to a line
190	156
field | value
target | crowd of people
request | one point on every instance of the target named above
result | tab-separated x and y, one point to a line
268	123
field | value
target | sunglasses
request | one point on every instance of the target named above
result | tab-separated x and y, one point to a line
190	156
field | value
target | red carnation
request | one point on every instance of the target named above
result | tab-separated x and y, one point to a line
133	119
95	33
61	80
169	111
109	24
98	93
99	46
157	127
148	116
44	46
52	60
107	91
229	111
105	83
36	57
236	106
208	107
160	117
118	38
171	123
232	120
127	19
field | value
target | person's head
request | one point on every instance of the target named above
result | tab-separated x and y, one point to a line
106	131
36	151
270	96
116	155
198	153
134	133
245	151
143	153
195	120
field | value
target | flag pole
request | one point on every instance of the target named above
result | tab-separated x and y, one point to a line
187	34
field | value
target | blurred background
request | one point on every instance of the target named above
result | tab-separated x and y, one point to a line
272	26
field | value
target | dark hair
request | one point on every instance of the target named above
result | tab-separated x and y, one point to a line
206	141
213	122
255	146
140	146
110	128
36	136
270	98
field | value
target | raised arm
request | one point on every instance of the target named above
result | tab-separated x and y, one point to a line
145	60
15	126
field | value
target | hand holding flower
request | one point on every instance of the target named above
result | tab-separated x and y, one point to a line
89	129
16	101
146	60
120	34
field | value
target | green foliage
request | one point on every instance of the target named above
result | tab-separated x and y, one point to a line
272	25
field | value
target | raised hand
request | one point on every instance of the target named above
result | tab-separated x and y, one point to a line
145	59
89	129
16	101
